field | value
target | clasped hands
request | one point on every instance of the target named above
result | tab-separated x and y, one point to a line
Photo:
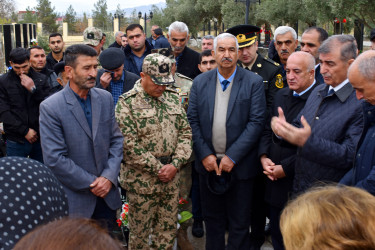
210	164
101	186
167	173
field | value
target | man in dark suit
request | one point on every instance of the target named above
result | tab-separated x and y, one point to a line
187	60
113	77
278	159
81	141
311	40
227	113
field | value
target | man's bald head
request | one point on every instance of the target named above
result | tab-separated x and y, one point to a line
361	75
300	71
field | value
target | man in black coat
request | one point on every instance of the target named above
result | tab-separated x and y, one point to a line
278	159
187	60
113	77
21	91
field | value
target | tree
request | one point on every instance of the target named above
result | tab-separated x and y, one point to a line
30	16
81	24
47	16
7	7
70	18
100	15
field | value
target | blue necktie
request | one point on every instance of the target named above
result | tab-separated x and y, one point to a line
331	92
296	95
224	84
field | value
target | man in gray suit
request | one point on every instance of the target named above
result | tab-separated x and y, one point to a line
81	141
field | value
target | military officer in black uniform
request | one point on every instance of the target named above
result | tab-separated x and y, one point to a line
249	59
273	81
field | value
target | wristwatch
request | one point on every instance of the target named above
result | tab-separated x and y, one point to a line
33	89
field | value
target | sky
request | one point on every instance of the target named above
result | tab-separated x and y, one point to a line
87	6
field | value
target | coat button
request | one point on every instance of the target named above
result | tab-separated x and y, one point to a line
317	118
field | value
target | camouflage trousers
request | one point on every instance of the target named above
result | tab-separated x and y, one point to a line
155	215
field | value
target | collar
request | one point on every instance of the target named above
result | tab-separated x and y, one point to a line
316	66
303	92
338	87
342	93
221	78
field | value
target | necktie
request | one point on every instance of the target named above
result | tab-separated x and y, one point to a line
331	92
224	84
296	95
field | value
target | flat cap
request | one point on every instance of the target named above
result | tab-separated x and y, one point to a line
246	34
112	58
59	67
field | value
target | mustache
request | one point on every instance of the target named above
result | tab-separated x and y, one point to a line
178	48
284	51
227	59
91	78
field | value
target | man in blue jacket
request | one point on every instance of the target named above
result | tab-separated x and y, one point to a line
330	124
362	77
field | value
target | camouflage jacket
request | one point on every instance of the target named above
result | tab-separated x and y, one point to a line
152	128
182	86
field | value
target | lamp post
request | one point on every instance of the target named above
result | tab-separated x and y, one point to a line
119	16
145	18
247	4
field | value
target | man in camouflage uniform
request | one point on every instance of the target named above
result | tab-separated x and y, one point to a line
157	144
93	37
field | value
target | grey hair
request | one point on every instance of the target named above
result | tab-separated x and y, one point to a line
178	27
281	30
365	65
225	36
118	33
208	37
348	46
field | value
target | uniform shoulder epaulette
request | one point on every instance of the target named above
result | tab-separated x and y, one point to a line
183	76
271	61
171	89
130	93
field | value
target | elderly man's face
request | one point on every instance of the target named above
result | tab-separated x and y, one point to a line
310	43
285	45
298	76
150	87
118	37
178	41
226	53
207	44
364	89
333	69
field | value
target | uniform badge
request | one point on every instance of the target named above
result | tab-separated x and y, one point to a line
279	81
259	65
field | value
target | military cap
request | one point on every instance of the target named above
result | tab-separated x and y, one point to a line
112	58
92	36
59	67
158	67
372	35
219	184
245	34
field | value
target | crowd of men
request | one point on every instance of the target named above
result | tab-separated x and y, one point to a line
238	133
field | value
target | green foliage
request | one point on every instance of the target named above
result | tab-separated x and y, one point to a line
100	15
43	42
47	16
29	17
5	21
70	18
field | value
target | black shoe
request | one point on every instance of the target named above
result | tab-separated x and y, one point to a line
197	230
